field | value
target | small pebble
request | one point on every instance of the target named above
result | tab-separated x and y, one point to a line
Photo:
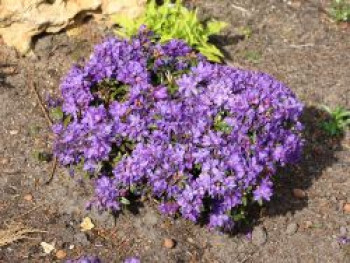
28	197
299	193
61	254
292	228
169	243
259	236
14	132
190	240
346	208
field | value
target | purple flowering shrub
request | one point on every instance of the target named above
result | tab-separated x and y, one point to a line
144	118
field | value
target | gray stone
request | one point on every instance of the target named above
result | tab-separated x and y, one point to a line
259	236
292	228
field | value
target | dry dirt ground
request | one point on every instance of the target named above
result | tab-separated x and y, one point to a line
292	40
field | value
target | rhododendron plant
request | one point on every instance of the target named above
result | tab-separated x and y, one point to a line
149	118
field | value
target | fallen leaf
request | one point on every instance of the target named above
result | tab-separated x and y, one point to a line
87	224
47	247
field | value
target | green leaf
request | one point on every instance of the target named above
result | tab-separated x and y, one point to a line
57	113
214	27
244	201
124	201
174	21
67	120
238	217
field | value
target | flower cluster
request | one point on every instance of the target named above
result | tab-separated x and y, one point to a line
94	259
132	260
151	118
85	259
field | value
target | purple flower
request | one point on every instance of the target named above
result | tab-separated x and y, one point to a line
344	240
263	191
106	194
132	260
85	259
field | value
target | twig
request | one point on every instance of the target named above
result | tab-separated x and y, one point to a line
15	232
53	170
42	106
49	120
12	172
240	8
301	46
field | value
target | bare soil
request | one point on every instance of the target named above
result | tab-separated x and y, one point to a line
295	41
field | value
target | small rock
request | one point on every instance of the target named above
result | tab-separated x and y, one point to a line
61	254
292	229
169	243
14	132
28	197
259	236
299	193
346	208
190	240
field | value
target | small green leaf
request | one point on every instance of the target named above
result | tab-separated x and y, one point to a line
238	217
124	201
244	201
57	113
214	27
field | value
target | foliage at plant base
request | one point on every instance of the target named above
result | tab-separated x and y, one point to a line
146	118
174	21
340	10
